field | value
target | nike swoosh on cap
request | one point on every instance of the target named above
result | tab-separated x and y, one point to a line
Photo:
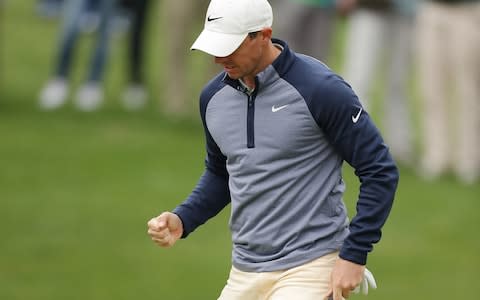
210	19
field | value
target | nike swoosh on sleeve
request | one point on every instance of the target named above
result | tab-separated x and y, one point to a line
357	117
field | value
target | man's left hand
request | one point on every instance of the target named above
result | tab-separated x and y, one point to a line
346	276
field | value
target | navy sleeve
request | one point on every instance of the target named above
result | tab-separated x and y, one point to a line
352	133
211	194
209	197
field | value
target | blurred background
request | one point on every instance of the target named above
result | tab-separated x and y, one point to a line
99	132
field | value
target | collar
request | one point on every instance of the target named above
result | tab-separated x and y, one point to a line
248	89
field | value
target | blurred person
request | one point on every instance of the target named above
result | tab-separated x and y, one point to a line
90	17
135	95
449	65
314	19
180	17
278	127
49	8
397	112
365	40
379	39
90	95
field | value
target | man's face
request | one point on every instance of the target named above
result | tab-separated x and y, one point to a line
246	61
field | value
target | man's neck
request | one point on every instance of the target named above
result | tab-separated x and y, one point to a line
272	54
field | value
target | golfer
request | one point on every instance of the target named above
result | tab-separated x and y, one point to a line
278	127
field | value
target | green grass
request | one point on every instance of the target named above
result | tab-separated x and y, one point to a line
76	191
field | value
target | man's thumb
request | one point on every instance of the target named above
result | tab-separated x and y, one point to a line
162	221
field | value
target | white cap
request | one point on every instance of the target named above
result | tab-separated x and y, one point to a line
228	23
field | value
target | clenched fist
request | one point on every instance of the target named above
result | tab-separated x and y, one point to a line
165	229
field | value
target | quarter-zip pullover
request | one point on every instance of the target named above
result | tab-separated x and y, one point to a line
276	155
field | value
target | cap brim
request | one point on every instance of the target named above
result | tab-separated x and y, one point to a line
218	44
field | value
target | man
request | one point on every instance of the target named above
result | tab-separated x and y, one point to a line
278	126
181	15
90	95
379	40
448	39
313	18
135	95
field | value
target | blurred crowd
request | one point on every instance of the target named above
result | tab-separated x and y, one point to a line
392	43
103	17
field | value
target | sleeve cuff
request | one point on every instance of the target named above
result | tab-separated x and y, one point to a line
354	256
186	232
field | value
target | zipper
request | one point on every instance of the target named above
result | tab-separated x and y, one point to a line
251	121
251	95
251	116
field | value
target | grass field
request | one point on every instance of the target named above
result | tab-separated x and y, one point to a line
76	191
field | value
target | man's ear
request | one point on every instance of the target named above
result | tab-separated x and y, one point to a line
266	33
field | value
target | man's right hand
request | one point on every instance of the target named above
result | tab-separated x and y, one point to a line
165	229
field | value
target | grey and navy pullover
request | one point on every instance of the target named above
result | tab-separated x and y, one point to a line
276	155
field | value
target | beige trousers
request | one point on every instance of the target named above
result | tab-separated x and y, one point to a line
449	65
306	282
